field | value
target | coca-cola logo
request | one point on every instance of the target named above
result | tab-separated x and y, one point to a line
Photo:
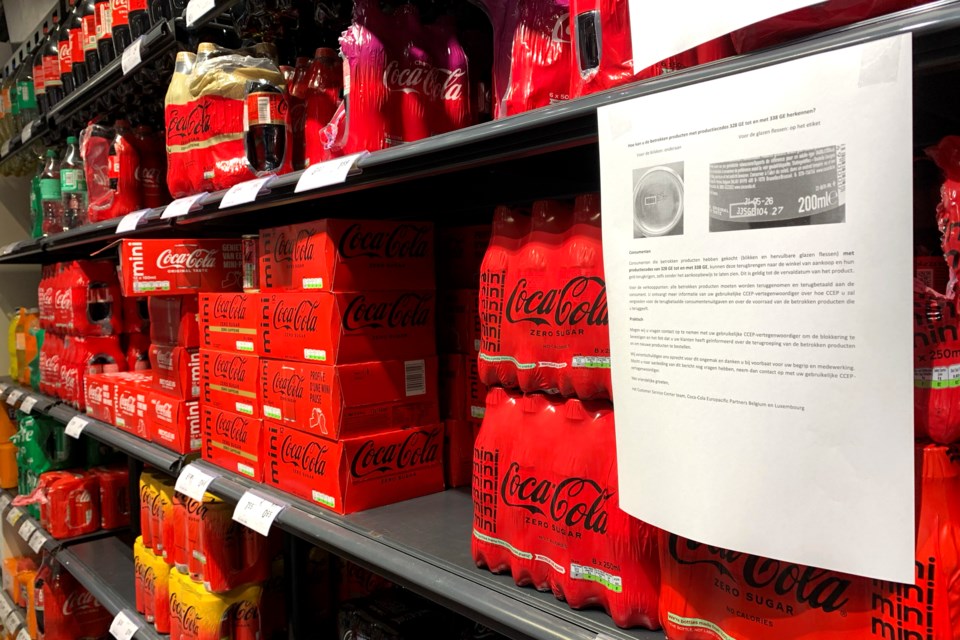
407	310
421	447
230	308
814	588
573	501
78	600
149	177
185	613
561	28
120	5
433	82
195	507
165	411
299	248
232	428
165	359
403	241
288	385
196	259
185	125
230	368
302	316
63	50
582	300
64	300
308	457
246	612
127	403
95	394
46	298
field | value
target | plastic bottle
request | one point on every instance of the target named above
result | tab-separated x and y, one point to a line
73	186
74	28
322	95
26	98
50	200
51	66
39	77
89	36
120	25
36	210
6	117
264	120
153	166
296	97
104	22
64	59
139	18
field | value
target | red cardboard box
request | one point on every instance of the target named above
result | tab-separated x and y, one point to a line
132	408
165	267
458	438
460	252
174	423
356	473
231	382
458	321
347	255
176	371
453	386
231	322
233	442
340	328
339	401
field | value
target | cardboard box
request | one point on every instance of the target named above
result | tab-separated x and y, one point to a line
458	439
339	401
173	321
175	423
233	442
176	371
231	322
231	382
460	252
347	255
169	266
458	321
341	328
356	473
453	386
131	411
101	392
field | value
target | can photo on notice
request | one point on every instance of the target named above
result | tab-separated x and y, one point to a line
658	201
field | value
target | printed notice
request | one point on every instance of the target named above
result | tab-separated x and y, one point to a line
758	263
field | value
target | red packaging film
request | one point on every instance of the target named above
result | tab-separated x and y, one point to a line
69	610
69	503
114	496
458	453
460	253
347	255
101	403
342	401
932	272
458	321
137	351
186	266
231	382
233	442
176	371
341	328
231	322
549	516
83	356
132	410
136	315
173	321
86	299
175	423
356	473
543	301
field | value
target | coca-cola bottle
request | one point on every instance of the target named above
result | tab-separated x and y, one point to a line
296	92
88	21
39	77
51	66
159	10
73	186
50	200
64	59
26	96
265	124
104	23
324	82
139	18
120	24
153	166
74	27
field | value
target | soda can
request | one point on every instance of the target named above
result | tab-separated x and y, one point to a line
251	263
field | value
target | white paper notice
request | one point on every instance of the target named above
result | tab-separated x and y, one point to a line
659	30
245	192
131	56
196	9
328	173
194	481
28	404
130	221
14	396
183	206
758	261
76	426
123	627
257	513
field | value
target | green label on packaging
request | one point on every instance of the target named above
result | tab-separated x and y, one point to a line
25	97
49	189
14	103
72	180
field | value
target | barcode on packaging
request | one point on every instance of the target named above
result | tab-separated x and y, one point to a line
415	378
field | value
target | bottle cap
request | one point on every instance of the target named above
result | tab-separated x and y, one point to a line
51	153
71	139
325	52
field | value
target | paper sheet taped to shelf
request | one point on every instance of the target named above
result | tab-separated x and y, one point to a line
28	404
193	482
182	206
123	627
4	501
36	541
23	634
256	512
11	621
15	395
246	192
13	517
131	56
328	173
130	221
5	607
196	9
27	529
75	426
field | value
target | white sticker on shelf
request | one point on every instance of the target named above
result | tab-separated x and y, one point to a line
8	248
196	9
131	56
123	627
256	512
193	481
27	529
28	404
245	192
13	516
183	206
5	149
26	132
5	607
15	395
23	634
3	387
75	426
11	621
4	500
130	221
36	541
327	173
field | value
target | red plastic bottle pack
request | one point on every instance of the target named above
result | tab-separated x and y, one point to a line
153	167
112	163
69	611
321	97
549	514
69	503
366	96
114	484
87	299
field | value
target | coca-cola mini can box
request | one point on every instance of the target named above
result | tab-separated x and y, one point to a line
176	371
231	382
231	322
338	401
347	255
132	406
233	442
165	267
174	423
355	473
341	328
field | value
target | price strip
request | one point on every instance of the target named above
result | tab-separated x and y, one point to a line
37	540
131	56
193	481
5	149
196	9
13	516
27	529
11	622
123	627
256	513
23	634
26	132
130	221
182	206
75	426
15	395
5	501
328	173
245	192
28	404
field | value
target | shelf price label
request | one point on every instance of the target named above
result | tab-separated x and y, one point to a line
130	221
13	516
182	206
3	387
193	481
256	512
5	607
36	541
8	248
5	501
75	426
328	173
11	621
15	395
5	149
27	529
246	192
23	634
196	9
26	132
28	404
131	56
123	627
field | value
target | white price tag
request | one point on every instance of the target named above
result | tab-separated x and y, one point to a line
23	634
245	191
15	395
131	56
13	516
123	627
5	149
75	426
11	621
28	404
4	500
130	221
3	387
26	132
8	248
327	173
256	513
27	529
196	9
37	540
5	607
193	481
183	206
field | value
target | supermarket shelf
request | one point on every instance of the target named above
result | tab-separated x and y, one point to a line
200	13
12	617
105	568
50	544
424	545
